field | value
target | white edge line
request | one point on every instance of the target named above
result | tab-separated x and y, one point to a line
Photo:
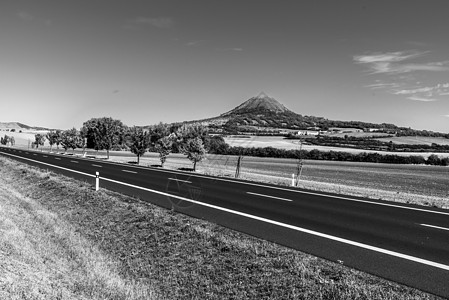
54	166
179	180
433	226
312	232
267	196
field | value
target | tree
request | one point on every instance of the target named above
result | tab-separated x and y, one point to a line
109	133
69	139
138	141
433	160
39	139
164	148
53	137
194	149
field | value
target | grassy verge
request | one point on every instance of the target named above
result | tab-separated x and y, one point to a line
42	256
60	239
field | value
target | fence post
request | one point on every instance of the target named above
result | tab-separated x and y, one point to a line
97	181
293	179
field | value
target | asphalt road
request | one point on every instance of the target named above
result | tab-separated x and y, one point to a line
408	244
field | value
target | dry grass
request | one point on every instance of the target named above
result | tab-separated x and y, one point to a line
60	239
42	256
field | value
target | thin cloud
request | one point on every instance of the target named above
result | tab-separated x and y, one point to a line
399	68
428	93
388	56
422	99
25	16
237	49
393	62
195	43
160	22
382	85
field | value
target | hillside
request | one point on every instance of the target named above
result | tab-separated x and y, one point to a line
16	126
264	115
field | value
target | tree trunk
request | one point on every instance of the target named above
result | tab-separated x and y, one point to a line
138	159
107	151
194	166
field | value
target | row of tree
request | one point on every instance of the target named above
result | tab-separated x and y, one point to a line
7	140
110	134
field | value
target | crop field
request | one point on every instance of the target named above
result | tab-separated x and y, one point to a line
282	143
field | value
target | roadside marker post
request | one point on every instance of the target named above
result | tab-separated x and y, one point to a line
97	181
293	179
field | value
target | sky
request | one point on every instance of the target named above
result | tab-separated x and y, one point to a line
144	62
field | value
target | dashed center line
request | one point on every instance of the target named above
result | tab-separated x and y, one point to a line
267	196
57	158
128	171
175	179
34	154
433	226
98	166
44	155
74	161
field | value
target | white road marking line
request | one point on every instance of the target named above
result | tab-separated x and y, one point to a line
97	166
34	154
54	166
267	196
179	180
312	193
44	155
74	161
128	171
433	226
58	158
332	196
312	232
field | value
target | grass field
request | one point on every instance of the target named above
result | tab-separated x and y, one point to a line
416	140
59	239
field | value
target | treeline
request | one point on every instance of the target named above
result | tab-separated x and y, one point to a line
110	134
334	156
369	143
